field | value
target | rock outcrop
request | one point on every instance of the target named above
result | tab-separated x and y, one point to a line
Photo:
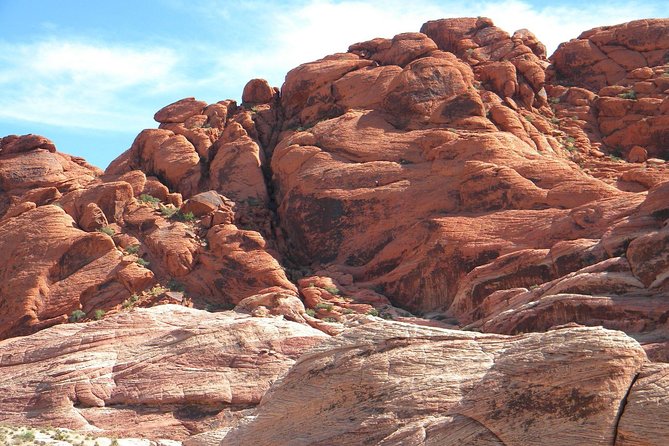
452	178
396	384
162	372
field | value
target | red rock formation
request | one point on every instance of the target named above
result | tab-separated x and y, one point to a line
394	384
453	177
163	372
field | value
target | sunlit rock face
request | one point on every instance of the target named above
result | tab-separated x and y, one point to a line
456	180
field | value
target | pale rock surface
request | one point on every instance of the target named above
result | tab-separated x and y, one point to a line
163	372
398	384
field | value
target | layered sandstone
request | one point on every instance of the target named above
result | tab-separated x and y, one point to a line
162	372
453	178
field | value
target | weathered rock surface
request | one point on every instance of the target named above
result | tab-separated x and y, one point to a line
451	178
163	372
397	384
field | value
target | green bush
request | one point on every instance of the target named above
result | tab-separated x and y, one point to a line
174	285
107	231
332	290
324	306
99	314
167	211
26	436
310	312
149	199
142	262
175	214
179	216
77	315
134	249
373	312
630	94
130	302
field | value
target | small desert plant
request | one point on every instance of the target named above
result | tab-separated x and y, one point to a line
149	199
324	306
332	290
60	435
330	319
175	285
142	262
27	436
310	312
630	94
179	216
387	316
156	290
99	314
373	312
130	302
133	249
529	118
167	211
77	315
554	100
107	231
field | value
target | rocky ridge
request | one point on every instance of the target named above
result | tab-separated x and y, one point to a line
454	178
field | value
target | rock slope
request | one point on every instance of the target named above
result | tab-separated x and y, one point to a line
455	177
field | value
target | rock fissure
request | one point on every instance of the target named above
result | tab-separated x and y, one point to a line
621	409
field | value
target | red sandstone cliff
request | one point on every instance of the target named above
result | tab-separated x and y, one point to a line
455	177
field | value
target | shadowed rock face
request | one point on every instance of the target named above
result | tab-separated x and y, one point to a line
454	177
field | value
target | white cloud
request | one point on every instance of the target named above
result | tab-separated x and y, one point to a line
311	30
557	23
82	85
74	83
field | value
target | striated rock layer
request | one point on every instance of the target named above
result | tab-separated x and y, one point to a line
163	372
396	384
455	177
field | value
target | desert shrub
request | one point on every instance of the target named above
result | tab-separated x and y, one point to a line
149	199
77	315
26	436
310	312
134	249
107	231
373	312
324	306
167	211
175	285
98	314
130	302
180	216
630	94
142	262
332	290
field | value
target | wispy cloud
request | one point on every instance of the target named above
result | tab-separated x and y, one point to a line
76	82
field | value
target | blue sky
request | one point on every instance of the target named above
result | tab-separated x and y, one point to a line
91	74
